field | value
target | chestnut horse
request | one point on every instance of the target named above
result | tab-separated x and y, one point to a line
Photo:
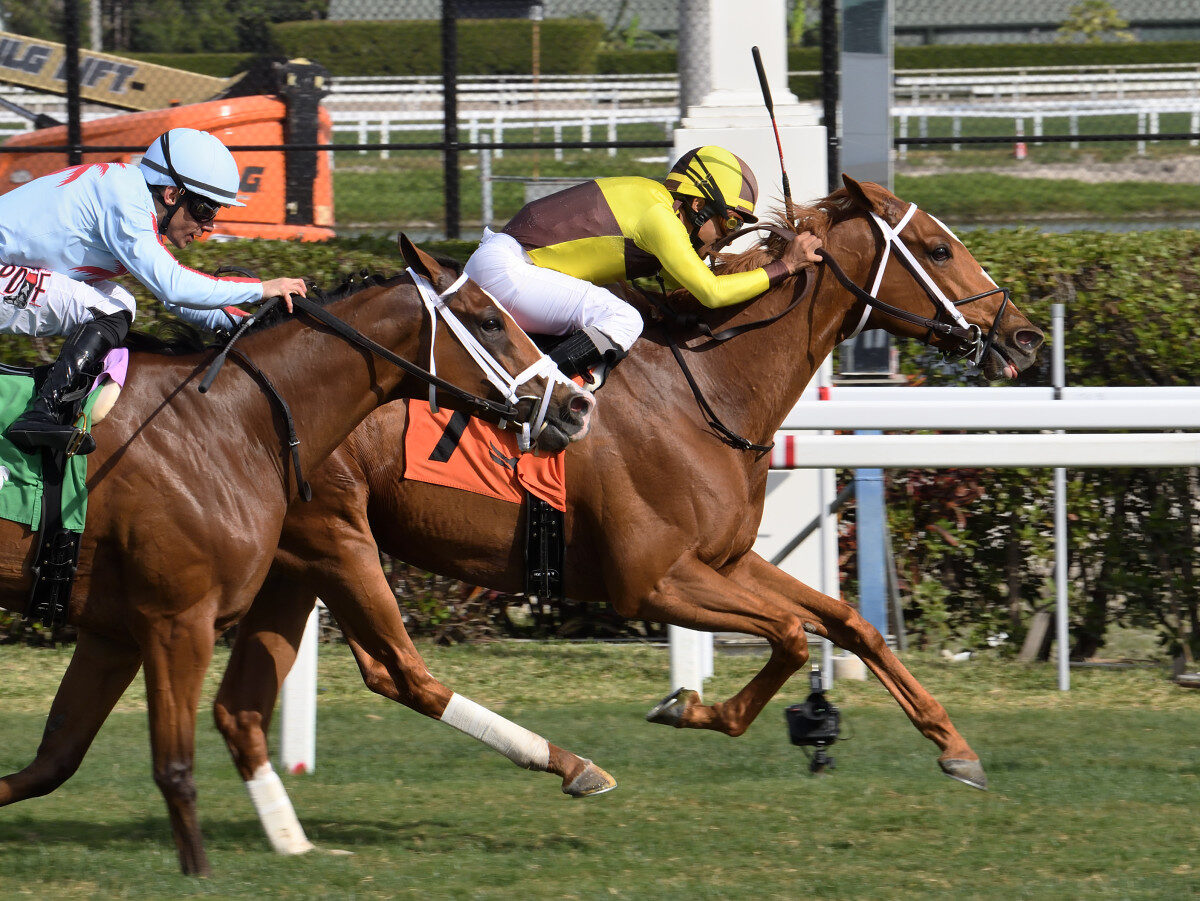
662	513
187	497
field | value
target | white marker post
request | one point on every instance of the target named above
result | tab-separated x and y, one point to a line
298	704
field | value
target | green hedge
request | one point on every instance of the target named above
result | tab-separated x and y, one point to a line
221	65
499	47
572	47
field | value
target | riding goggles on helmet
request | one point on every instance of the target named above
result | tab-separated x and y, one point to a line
201	208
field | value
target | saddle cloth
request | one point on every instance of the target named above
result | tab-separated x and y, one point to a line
459	451
21	474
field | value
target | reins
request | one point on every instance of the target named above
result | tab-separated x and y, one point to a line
343	329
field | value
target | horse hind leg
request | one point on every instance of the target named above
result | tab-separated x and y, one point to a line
411	684
357	592
98	674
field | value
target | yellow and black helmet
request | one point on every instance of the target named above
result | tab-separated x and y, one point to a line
722	180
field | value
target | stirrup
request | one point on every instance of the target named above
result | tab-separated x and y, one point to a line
71	440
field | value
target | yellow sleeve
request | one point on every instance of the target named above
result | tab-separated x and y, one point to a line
662	234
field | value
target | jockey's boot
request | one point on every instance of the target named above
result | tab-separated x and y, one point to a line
44	423
589	353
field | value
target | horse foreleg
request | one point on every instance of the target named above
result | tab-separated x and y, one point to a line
265	649
695	596
845	627
177	652
98	674
363	603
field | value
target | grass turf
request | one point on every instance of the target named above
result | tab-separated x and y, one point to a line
1093	792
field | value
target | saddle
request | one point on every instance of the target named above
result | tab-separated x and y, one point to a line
47	492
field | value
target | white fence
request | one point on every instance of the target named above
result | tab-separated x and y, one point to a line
1148	113
1116	82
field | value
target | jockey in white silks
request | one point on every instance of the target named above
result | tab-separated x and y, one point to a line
65	236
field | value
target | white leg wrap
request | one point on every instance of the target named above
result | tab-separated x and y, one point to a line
517	743
275	810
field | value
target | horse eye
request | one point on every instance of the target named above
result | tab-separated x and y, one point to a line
492	324
940	254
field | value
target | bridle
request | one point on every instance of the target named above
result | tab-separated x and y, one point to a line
493	370
971	344
496	374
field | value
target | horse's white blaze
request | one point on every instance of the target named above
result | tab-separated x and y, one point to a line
518	744
275	811
947	230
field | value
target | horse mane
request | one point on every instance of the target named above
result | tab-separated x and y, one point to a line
818	217
176	337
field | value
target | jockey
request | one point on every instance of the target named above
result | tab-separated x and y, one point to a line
64	236
547	265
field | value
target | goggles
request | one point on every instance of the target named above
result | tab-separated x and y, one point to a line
201	208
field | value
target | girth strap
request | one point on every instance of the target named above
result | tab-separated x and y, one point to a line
293	439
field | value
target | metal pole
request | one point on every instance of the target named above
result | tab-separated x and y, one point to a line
95	25
450	115
830	574
71	40
1061	551
870	512
485	185
829	88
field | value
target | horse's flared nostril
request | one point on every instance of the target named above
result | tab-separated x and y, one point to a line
1029	339
581	405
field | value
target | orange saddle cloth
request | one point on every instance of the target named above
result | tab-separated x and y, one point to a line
458	451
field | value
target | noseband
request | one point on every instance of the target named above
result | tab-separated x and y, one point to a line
496	374
971	344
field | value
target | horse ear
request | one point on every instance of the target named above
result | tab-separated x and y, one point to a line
870	196
423	264
859	194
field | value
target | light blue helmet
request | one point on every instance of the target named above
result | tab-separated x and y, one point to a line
194	160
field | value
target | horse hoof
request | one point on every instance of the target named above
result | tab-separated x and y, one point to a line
591	781
669	711
968	772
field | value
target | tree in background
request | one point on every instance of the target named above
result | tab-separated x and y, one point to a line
1093	22
803	24
188	26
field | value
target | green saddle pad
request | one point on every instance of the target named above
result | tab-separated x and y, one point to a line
21	474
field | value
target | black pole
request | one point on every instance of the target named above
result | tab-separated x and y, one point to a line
830	89
71	40
450	114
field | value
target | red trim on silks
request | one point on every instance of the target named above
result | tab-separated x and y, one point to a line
96	274
235	312
77	171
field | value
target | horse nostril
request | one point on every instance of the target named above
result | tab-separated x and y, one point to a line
1029	339
580	405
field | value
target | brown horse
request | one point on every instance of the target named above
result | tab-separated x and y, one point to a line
662	513
187	497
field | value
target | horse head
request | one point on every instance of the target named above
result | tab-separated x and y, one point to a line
934	290
556	410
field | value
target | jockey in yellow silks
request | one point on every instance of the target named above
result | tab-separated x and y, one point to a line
547	265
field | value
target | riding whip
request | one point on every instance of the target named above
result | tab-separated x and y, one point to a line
766	92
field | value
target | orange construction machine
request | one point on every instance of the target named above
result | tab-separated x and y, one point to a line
287	196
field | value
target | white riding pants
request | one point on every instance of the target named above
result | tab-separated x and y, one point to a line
544	301
41	302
